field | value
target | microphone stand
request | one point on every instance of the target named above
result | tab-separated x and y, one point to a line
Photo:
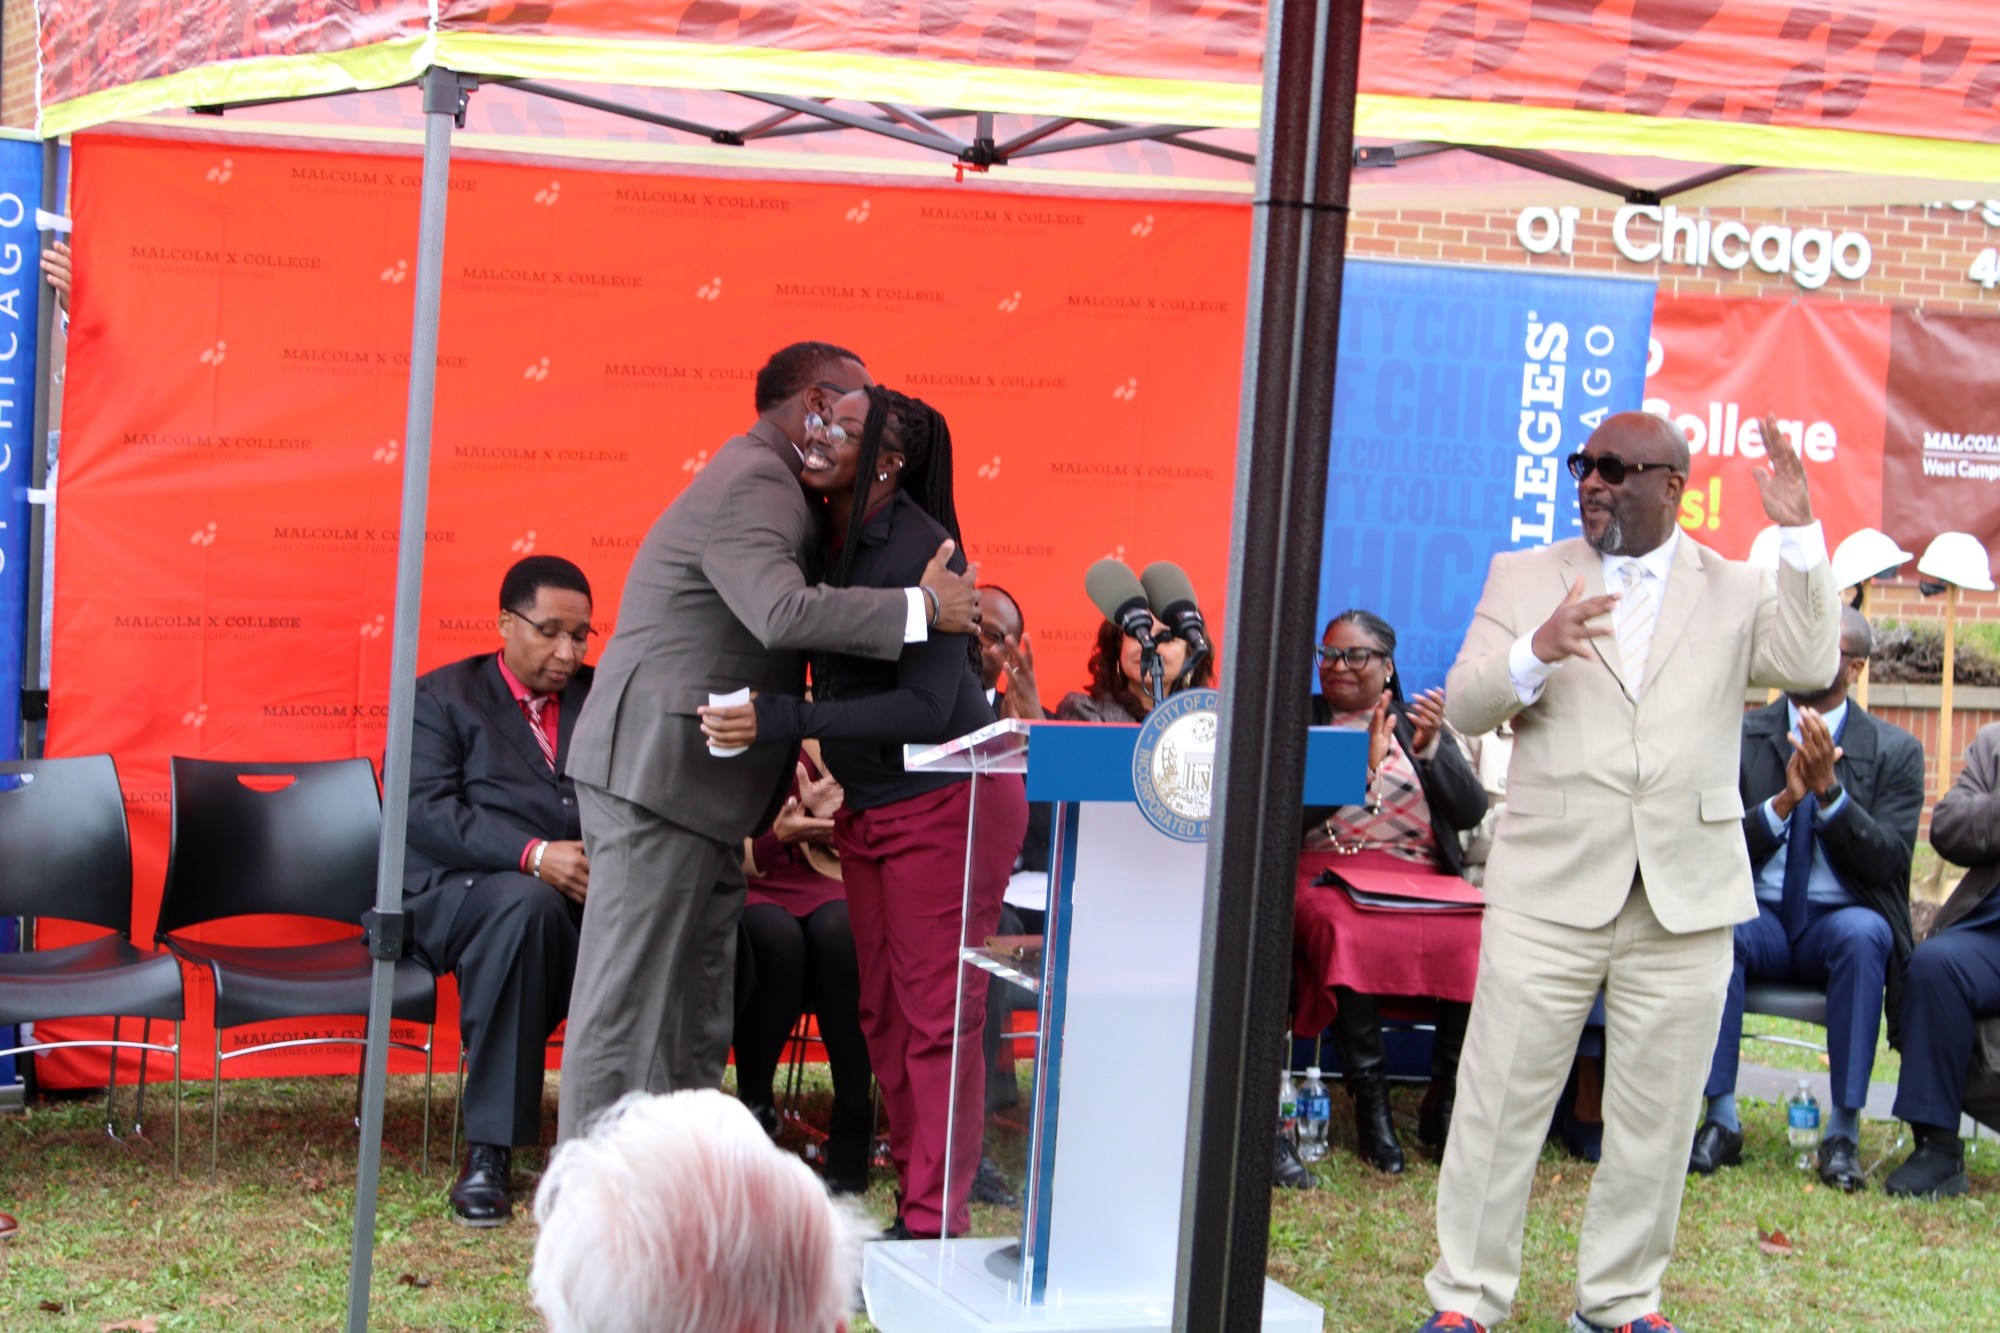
1149	664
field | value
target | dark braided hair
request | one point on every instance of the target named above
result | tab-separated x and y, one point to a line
926	474
1377	629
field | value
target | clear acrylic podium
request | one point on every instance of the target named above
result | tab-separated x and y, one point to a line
1107	1142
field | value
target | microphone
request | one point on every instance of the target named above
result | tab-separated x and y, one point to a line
1170	592
1116	591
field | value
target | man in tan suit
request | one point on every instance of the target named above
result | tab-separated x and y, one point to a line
1620	860
716	600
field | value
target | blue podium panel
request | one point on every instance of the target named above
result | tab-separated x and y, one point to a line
1120	968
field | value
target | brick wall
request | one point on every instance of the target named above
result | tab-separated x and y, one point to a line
17	63
1921	253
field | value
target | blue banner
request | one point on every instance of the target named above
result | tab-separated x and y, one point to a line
1460	393
20	299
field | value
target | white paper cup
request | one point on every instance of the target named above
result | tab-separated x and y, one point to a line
729	700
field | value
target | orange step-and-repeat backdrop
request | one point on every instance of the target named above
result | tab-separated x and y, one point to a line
232	437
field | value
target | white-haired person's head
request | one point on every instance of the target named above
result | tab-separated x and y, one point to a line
677	1214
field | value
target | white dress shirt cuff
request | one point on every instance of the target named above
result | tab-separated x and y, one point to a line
1530	673
914	630
1780	828
1804	549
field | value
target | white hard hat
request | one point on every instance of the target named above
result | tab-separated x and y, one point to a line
1764	549
1867	554
1958	558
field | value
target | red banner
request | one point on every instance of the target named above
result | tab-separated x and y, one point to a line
1931	71
232	453
1943	464
1720	364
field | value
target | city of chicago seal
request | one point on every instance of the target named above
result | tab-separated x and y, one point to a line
1173	765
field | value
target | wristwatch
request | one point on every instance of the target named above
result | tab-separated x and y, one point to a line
1831	795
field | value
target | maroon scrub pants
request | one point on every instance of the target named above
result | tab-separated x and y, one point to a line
904	866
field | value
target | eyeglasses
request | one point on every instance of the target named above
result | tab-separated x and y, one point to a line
1611	467
580	638
1356	658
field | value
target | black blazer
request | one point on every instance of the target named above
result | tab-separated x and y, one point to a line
1881	769
479	788
1451	788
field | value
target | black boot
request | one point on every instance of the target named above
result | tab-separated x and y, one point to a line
1357	1036
1434	1116
850	1141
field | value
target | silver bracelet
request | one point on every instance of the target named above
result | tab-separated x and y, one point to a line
535	861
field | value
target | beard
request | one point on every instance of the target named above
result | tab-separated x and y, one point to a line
1611	538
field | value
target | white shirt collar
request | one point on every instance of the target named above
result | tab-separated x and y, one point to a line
1833	717
1658	562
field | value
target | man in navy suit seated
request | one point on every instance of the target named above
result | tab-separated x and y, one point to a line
496	874
1954	982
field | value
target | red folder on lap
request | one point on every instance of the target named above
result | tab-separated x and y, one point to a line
1405	890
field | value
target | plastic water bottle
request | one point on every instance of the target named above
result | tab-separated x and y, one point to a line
1802	1124
1288	1109
1315	1109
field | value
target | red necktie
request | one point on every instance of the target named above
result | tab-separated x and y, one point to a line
533	706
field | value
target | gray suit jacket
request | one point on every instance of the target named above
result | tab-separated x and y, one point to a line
717	599
1605	783
1965	830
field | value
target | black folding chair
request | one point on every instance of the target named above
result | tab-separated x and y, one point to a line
66	855
289	839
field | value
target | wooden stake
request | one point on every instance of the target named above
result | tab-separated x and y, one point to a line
1944	680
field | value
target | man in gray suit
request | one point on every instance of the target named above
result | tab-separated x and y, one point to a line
717	599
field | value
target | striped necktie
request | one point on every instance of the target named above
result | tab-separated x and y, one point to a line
1634	623
533	706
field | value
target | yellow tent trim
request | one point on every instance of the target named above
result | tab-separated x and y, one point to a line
261	78
1710	141
861	77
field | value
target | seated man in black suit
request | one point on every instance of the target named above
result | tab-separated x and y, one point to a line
1831	798
496	874
1954	981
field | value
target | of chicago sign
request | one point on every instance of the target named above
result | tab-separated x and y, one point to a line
1646	235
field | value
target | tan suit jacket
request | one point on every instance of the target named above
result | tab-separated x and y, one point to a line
1604	784
717	599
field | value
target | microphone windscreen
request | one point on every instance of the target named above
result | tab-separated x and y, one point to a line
1112	586
1167	585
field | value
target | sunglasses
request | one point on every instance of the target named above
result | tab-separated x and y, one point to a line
1612	468
1355	658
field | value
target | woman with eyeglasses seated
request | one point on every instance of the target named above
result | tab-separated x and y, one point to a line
1421	793
1119	690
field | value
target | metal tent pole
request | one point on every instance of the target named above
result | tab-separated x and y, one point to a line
444	105
1311	63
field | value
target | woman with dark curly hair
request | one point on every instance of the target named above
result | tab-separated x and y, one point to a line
1119	691
883	465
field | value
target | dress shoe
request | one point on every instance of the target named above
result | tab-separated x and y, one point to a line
483	1195
990	1187
1451	1321
1716	1145
1840	1164
896	1231
1289	1172
1936	1170
1645	1323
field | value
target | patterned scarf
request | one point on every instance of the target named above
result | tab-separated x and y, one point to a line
1399	820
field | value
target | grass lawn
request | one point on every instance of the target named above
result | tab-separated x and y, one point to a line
109	1241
